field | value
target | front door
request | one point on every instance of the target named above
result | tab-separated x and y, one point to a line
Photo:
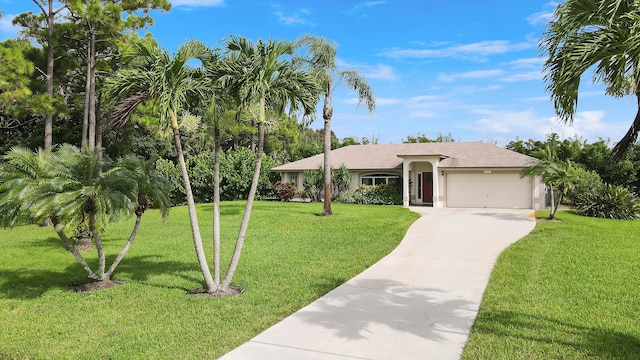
427	187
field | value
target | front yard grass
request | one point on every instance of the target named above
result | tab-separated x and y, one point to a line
291	257
569	290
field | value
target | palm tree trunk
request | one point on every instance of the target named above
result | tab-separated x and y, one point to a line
247	210
630	137
193	217
72	249
125	249
553	203
216	207
99	247
327	112
553	215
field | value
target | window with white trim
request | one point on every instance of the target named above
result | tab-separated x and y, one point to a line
378	179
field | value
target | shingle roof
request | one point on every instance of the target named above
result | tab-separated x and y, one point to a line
388	156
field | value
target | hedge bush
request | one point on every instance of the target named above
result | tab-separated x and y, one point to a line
384	194
236	172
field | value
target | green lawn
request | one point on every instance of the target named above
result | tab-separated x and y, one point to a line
291	257
569	290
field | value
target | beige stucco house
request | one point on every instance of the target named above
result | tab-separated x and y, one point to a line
450	174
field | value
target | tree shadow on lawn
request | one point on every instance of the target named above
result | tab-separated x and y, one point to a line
142	268
29	284
598	342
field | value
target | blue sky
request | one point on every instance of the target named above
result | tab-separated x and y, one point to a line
470	68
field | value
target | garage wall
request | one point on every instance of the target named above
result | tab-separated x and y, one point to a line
488	190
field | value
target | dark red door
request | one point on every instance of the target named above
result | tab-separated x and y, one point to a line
427	187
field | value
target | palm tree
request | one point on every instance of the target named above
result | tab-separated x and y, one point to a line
557	175
321	63
67	186
153	75
261	73
152	189
215	105
603	33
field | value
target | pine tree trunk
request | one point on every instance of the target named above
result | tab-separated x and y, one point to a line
85	113
92	91
48	123
193	217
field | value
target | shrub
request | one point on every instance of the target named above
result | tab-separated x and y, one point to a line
340	180
585	181
236	173
384	194
313	183
171	171
284	191
609	201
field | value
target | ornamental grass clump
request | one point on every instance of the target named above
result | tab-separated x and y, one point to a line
609	202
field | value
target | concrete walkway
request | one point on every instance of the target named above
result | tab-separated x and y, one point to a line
419	302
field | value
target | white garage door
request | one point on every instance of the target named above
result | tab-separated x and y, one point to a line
492	190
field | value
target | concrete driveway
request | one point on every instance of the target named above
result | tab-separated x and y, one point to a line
419	302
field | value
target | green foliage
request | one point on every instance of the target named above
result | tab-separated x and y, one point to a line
422	138
236	172
598	35
594	156
585	181
314	182
609	202
171	171
284	191
383	194
340	181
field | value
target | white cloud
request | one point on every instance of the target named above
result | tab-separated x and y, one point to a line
387	101
476	74
541	17
377	71
505	125
536	62
424	114
526	76
479	51
369	3
6	26
197	3
295	19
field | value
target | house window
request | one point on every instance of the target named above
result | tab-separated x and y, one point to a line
378	179
293	177
419	186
